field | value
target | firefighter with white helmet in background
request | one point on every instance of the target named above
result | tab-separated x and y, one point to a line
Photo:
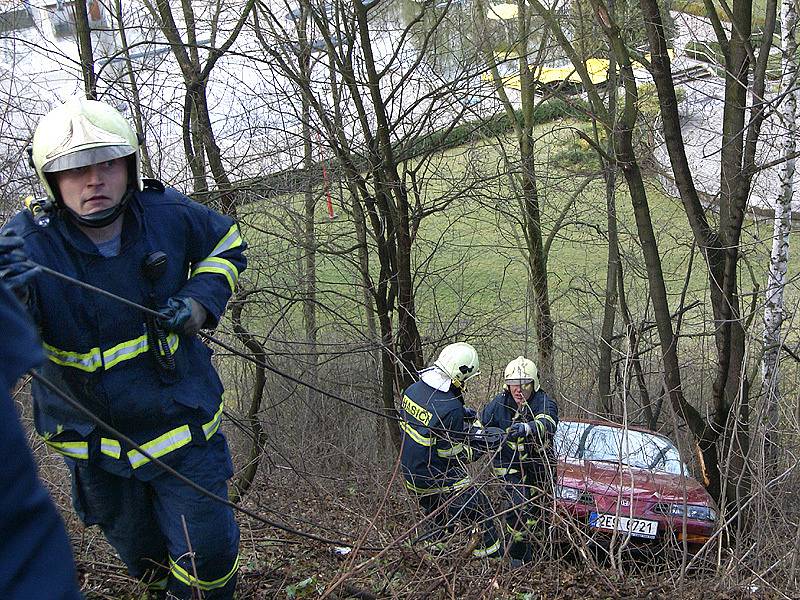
435	447
152	379
526	461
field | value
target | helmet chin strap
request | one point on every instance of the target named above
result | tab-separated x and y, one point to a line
101	218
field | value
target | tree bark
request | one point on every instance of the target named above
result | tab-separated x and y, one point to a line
147	165
309	245
85	52
779	257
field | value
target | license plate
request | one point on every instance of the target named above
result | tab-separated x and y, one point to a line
636	527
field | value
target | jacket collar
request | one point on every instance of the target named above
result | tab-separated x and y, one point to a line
132	226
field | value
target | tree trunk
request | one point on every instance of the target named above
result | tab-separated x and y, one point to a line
259	440
309	234
605	400
779	258
84	35
529	201
147	165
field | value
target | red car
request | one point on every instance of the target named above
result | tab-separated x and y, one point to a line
629	481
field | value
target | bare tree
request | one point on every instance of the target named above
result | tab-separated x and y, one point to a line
523	175
774	306
199	140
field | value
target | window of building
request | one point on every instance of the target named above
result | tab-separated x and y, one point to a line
62	17
15	20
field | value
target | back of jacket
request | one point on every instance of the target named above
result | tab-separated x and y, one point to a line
522	455
433	433
97	348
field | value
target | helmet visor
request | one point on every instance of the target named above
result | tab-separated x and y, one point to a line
519	381
86	157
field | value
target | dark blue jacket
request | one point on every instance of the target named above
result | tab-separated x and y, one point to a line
35	557
433	444
524	455
97	348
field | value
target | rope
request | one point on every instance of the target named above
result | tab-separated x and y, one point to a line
166	468
248	357
121	436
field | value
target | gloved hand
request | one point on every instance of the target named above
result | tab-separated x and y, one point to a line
183	315
470	415
519	431
15	269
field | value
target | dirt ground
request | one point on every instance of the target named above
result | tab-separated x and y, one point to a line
276	564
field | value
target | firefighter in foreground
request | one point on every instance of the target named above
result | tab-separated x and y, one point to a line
435	447
35	557
152	379
526	461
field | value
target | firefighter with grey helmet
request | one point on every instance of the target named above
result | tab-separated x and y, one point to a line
526	461
435	448
150	378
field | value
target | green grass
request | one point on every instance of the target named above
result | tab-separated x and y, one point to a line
469	259
470	271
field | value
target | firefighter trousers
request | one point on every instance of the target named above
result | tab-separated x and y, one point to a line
527	497
469	505
144	522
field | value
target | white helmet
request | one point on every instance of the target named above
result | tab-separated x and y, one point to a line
79	133
459	362
522	371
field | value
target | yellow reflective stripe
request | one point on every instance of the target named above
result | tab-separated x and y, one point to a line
516	534
415	410
458	485
547	417
211	427
186	578
110	447
517	446
95	359
416	435
504	471
468	452
219	266
484	552
125	350
453	450
71	449
170	441
232	239
85	361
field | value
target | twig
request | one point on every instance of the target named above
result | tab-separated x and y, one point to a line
191	559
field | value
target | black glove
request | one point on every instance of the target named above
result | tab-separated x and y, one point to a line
183	315
520	431
470	415
15	268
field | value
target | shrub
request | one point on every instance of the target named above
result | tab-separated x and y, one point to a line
468	131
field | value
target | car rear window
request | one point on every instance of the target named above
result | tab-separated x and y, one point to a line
601	443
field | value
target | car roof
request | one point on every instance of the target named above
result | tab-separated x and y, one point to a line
612	424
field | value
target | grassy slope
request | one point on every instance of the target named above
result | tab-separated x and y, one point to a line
470	270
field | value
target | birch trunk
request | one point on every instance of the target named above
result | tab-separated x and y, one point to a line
779	258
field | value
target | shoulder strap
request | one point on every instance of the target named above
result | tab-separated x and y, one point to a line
153	185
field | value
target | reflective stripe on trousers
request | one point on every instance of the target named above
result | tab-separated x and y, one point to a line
458	485
190	580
